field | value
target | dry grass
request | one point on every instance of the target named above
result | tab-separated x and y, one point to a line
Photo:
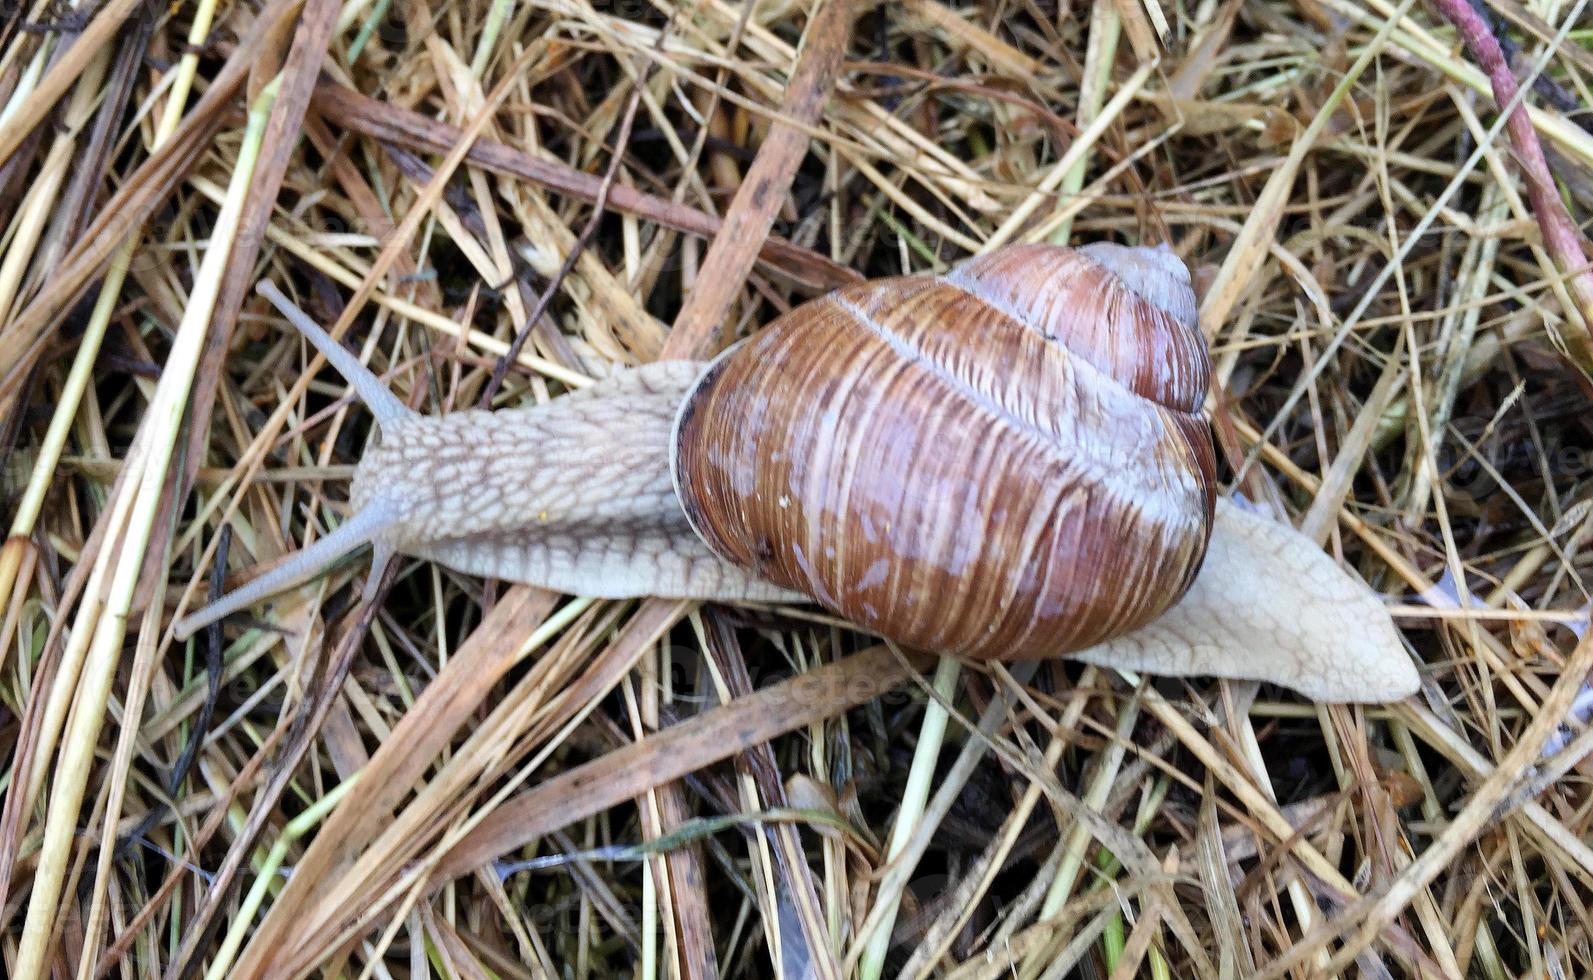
478	780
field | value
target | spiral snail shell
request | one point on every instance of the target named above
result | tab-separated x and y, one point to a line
1005	461
980	463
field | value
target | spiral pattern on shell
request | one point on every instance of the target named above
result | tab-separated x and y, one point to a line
1006	461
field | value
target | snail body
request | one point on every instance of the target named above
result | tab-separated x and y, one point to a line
574	495
1006	461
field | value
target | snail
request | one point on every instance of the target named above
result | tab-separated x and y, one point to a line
1008	461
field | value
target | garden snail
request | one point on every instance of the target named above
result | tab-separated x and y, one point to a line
1006	461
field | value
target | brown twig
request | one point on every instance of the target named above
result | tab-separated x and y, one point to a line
397	768
674	752
303	729
369	117
402	760
1560	234
599	208
761	194
301	66
140	195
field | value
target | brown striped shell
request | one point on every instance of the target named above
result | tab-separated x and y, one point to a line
1007	461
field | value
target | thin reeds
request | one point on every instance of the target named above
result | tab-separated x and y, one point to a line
497	203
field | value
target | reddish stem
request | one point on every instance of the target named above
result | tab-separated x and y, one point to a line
1560	234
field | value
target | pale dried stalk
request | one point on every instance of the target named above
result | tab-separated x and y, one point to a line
108	629
81	373
1075	846
931	732
1100	54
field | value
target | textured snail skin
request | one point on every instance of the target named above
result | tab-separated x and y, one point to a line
1269	604
1006	461
574	495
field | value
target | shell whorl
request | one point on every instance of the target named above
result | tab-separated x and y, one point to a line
1004	461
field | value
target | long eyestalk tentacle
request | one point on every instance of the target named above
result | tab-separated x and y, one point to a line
299	567
382	403
364	527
